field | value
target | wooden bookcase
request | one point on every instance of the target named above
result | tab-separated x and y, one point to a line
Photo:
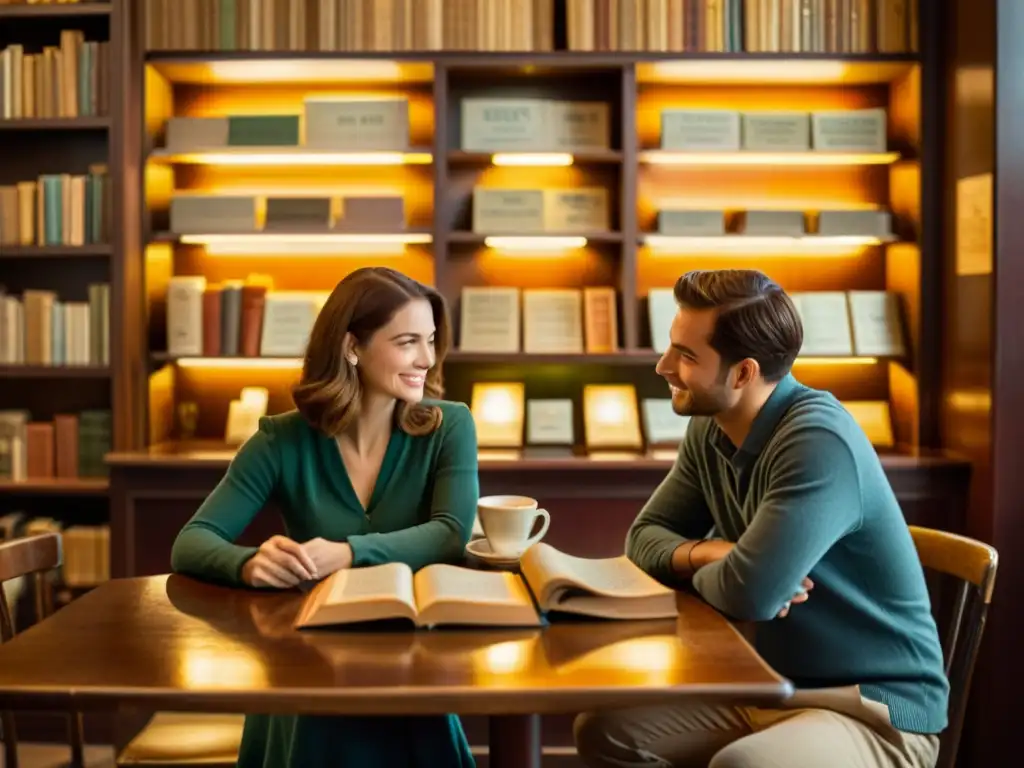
438	196
72	139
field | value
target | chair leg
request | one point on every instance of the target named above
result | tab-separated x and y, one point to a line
76	737
10	739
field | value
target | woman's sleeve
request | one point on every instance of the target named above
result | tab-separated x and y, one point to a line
205	547
453	507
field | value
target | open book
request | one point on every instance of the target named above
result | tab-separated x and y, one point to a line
609	588
551	581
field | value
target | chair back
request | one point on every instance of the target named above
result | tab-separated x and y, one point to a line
971	566
19	558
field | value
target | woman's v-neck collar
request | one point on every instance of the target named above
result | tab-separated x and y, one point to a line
342	480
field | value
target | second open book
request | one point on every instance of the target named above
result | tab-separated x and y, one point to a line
551	581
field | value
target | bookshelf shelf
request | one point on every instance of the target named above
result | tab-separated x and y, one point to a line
533	159
780	159
56	486
26	371
291	157
55	124
54	10
814	245
547	240
54	251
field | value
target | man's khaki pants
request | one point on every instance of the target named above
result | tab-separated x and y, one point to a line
833	728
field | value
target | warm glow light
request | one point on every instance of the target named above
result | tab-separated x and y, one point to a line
291	238
759	244
233	668
299	156
306	243
534	243
497	409
241	363
324	70
500	659
759	71
641	660
836	360
811	158
497	403
535	159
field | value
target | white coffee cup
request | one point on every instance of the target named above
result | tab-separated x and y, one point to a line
507	522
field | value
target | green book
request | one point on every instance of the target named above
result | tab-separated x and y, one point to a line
263	131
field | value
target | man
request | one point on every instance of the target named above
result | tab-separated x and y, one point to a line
813	547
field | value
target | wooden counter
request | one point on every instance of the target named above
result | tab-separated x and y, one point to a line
592	501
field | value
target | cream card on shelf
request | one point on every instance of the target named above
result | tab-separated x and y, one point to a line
877	326
700	130
610	417
553	321
244	415
661	309
489	319
498	412
288	318
849	130
776	131
662	424
549	422
826	321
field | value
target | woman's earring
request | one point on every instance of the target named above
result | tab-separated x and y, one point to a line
352	360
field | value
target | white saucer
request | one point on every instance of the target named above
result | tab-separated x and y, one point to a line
482	549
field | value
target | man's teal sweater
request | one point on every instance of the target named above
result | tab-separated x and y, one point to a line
805	495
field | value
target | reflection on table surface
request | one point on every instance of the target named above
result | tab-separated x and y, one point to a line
156	636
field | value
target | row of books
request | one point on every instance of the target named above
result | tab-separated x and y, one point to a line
57	209
232	318
71	445
69	80
350	25
38	328
752	26
799	26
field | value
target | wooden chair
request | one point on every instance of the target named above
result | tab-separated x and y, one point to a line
972	565
33	556
185	740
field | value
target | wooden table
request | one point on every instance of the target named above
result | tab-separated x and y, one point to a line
172	643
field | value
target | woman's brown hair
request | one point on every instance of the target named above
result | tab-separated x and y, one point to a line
328	394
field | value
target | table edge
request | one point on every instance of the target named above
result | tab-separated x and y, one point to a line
389	701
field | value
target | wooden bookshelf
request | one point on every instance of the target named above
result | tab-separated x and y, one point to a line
629	255
55	247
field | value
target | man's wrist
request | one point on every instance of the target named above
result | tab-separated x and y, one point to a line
682	557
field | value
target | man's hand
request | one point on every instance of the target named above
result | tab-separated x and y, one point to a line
280	562
328	556
799	597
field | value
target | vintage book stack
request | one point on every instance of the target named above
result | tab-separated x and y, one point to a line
56	234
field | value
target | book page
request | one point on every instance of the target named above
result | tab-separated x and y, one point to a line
451	582
545	568
377	582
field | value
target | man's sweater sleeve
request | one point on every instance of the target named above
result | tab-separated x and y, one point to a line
813	499
675	513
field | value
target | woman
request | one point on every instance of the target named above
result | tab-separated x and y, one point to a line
366	471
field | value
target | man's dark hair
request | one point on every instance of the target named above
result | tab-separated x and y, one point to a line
754	317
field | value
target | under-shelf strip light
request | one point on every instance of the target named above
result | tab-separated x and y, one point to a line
534	243
810	158
532	159
278	156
